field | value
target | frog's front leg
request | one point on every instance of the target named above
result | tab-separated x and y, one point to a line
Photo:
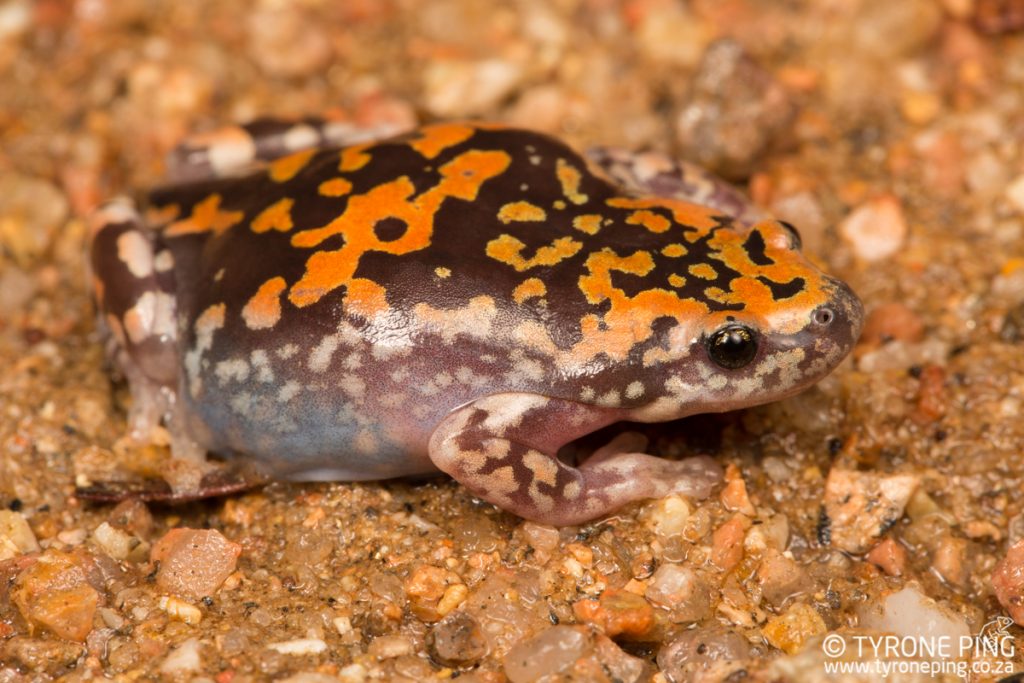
503	448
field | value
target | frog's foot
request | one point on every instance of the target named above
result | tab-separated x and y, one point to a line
502	449
219	480
234	150
653	173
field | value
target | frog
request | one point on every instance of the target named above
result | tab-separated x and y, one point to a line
462	298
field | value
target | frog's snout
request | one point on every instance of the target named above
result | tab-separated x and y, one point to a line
842	317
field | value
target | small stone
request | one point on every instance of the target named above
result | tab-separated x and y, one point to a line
549	653
876	229
41	656
889	556
861	506
16	537
300	646
194	562
949	560
456	88
119	544
892	320
457	641
286	42
54	593
789	630
781	578
1008	581
735	111
183	611
727	542
31	211
183	659
697	650
680	590
734	496
1015	193
617	612
389	647
920	108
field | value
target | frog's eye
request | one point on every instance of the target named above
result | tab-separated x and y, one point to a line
733	346
795	242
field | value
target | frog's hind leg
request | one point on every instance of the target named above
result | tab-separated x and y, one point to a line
503	449
133	284
235	150
653	173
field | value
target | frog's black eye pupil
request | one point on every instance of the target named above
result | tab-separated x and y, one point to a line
733	346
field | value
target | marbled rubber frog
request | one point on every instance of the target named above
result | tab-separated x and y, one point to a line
465	298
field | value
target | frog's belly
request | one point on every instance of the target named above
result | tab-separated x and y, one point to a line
304	433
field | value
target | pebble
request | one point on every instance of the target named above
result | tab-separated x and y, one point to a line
1015	193
890	556
16	537
300	646
458	88
185	658
547	654
1008	581
682	659
119	544
734	112
389	647
49	657
457	641
860	506
781	578
287	43
194	562
618	612
727	542
910	613
31	211
876	229
892	320
789	630
55	593
681	591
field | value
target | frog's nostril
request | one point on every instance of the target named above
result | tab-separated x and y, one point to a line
823	316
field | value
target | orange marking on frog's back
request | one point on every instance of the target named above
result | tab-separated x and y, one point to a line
649	220
704	271
528	289
436	139
365	298
284	169
263	310
521	212
207	216
570	177
589	223
461	178
335	187
354	158
277	216
684	213
508	250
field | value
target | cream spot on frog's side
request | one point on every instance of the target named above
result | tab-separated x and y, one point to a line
287	351
320	358
366	443
610	399
635	390
152	315
289	391
234	369
353	387
208	322
219	275
136	253
261	363
164	261
587	394
542	468
475	319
